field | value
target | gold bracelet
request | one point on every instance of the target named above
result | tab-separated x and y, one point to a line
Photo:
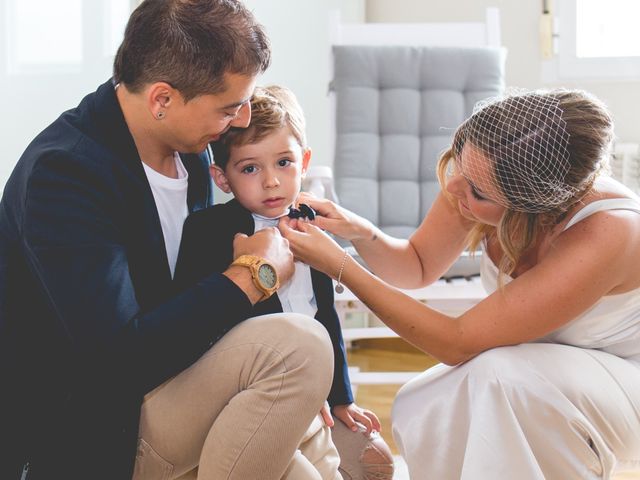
339	287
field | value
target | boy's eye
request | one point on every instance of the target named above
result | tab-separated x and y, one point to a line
248	169
283	162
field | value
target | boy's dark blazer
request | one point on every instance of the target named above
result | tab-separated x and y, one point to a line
207	246
89	319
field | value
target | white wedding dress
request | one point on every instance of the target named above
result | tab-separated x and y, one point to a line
566	406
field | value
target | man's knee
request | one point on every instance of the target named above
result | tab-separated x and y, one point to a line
310	345
302	341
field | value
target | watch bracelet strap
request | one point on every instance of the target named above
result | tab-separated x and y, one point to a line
251	262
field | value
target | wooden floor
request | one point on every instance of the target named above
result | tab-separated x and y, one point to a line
395	355
391	354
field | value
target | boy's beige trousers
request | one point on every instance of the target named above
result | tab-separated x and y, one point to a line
247	409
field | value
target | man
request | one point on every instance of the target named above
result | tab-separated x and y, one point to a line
99	357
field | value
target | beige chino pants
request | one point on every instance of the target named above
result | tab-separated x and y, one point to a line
247	409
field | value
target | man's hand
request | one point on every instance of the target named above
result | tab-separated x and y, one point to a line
271	246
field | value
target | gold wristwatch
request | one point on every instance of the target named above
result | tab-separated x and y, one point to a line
264	275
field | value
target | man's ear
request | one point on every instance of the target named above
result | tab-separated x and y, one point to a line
219	178
306	158
160	97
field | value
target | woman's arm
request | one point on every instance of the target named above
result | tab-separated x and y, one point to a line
594	258
412	263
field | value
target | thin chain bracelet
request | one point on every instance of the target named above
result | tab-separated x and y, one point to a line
339	287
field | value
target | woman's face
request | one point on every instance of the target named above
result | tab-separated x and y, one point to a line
471	184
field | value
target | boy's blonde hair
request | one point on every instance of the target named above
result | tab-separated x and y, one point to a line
272	108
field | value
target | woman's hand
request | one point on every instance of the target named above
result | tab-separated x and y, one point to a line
337	220
352	413
312	246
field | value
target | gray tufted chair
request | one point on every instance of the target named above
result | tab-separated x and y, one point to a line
397	108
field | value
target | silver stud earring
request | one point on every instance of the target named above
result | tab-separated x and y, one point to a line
160	115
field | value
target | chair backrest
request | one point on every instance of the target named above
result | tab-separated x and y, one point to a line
449	34
396	108
396	111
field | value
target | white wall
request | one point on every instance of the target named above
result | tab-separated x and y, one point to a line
298	30
520	34
299	34
32	99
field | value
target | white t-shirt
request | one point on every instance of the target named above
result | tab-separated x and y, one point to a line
297	294
170	195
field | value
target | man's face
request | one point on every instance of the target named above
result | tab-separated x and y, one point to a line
190	127
265	176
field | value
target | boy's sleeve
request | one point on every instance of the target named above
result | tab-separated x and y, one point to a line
340	393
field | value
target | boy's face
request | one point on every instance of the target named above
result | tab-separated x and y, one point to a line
265	176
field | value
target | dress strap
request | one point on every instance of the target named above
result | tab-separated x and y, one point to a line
603	205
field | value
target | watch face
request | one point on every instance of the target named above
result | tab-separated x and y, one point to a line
267	276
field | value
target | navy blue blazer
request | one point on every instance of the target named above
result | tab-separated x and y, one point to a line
89	316
207	246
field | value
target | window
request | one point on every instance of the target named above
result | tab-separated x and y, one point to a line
44	34
52	53
116	14
599	40
62	36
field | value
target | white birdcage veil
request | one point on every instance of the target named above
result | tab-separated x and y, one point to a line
524	137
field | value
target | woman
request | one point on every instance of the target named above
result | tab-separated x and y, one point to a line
541	379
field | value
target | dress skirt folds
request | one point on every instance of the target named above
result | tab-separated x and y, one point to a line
564	407
532	411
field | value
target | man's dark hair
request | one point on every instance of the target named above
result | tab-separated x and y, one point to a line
191	45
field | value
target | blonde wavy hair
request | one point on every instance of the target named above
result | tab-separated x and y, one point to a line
590	129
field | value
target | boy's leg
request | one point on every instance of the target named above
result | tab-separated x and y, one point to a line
362	456
300	468
317	457
241	410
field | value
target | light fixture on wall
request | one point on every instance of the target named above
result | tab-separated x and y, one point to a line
548	31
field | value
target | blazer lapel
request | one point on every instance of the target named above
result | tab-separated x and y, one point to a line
149	266
197	165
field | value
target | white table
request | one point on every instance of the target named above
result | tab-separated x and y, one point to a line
451	297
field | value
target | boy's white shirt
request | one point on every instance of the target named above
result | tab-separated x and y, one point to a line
297	294
170	195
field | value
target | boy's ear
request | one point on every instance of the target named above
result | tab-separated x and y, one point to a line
306	158
219	178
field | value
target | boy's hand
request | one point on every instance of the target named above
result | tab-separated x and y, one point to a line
352	413
325	413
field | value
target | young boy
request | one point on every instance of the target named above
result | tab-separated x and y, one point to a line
263	166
